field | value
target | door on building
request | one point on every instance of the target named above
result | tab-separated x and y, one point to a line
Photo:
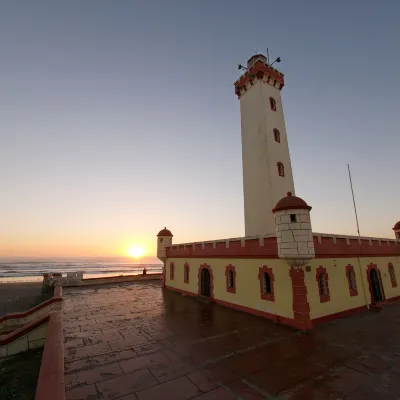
205	283
376	288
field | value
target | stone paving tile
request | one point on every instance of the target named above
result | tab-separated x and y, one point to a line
83	393
203	380
126	384
129	342
177	389
220	393
171	370
100	373
81	352
346	359
143	361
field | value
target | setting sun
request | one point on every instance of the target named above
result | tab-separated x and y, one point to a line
136	252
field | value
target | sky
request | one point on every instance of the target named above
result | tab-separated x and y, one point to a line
118	118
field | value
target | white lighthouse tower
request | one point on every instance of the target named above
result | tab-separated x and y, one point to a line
267	171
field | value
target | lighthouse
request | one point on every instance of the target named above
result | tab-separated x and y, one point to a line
267	171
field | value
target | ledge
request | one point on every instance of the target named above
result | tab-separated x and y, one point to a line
51	385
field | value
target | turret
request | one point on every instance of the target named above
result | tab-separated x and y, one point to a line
396	229
164	239
293	230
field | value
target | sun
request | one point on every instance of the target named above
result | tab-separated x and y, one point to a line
136	251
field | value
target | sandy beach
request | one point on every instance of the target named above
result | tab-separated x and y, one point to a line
18	296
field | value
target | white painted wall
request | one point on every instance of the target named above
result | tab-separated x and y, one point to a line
262	186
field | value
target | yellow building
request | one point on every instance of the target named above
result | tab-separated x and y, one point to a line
280	270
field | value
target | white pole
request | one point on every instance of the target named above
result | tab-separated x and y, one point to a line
358	230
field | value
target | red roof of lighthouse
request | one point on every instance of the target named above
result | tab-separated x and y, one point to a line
291	202
165	232
397	226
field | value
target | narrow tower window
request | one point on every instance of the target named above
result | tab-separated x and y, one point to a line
277	136
281	169
293	218
272	103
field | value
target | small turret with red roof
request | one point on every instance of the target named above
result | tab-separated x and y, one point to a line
164	239
396	229
293	230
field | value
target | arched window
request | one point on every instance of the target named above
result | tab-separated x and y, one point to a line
277	136
231	280
172	271
267	283
230	274
272	103
323	286
281	169
392	275
351	277
186	273
266	278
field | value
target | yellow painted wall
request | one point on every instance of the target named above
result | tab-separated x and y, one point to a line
247	283
340	299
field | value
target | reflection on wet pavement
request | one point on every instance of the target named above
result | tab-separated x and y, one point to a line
138	341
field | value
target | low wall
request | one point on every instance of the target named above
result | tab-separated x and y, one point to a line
41	310
326	246
109	279
51	385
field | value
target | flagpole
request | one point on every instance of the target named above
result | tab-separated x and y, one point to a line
354	201
358	230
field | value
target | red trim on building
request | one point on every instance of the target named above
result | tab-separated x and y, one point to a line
206	266
171	271
392	275
259	69
323	297
349	271
375	267
229	268
186	267
270	295
301	307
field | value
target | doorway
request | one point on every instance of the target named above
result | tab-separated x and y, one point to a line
376	288
205	283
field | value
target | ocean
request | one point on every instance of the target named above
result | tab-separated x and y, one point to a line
24	269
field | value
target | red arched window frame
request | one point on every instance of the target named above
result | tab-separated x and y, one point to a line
272	103
351	278
266	278
277	135
281	169
172	271
230	274
392	275
323	284
186	273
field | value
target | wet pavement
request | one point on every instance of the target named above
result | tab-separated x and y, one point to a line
137	341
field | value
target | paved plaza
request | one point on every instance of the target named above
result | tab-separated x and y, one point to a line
138	341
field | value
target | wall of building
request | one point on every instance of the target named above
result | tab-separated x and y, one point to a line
262	185
340	300
247	288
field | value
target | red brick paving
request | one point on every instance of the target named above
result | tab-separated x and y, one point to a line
137	341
